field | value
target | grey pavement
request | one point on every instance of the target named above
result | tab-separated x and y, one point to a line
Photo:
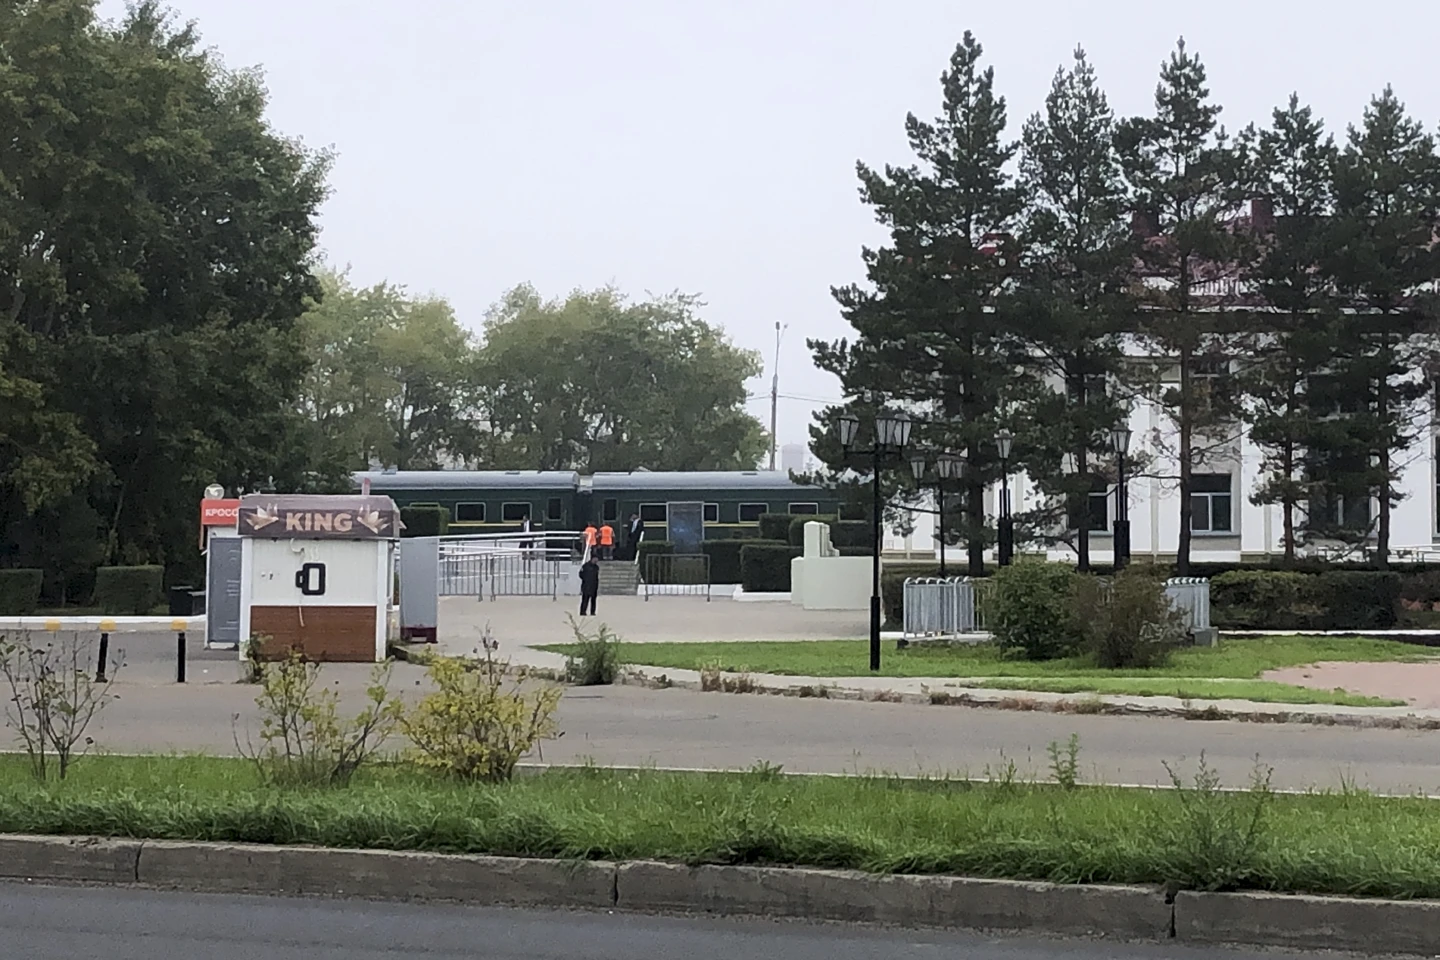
72	923
638	726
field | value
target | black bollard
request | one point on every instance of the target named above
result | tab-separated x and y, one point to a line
180	657
104	656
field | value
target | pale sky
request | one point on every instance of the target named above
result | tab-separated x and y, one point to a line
709	147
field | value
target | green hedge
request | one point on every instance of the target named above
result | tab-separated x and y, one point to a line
425	521
1287	600
765	566
129	591
725	559
649	547
775	526
20	591
1358	599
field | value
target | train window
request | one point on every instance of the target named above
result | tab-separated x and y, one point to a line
610	510
514	512
469	513
555	509
712	513
750	512
653	512
804	508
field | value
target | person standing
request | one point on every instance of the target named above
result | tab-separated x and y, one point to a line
589	586
635	533
607	541
592	537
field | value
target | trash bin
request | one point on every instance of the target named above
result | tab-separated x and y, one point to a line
181	603
197	603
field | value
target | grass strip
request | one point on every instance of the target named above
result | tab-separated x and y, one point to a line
1196	688
1346	843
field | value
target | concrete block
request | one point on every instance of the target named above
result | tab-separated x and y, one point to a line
376	874
1123	912
87	859
1372	927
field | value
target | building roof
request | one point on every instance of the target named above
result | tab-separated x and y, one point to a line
469	479
697	480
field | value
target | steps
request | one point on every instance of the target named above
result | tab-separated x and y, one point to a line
618	578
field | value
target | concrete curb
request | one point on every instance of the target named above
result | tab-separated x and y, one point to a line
1114	912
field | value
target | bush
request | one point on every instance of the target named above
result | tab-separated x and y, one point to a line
855	534
422	521
775	526
796	533
1263	600
121	591
1357	599
1127	622
596	660
303	741
1032	610
1420	590
765	566
475	726
653	548
51	693
20	591
724	559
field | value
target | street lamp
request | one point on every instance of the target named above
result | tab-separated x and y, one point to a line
1120	440
947	467
892	433
1004	439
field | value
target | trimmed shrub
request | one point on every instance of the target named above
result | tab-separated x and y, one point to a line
425	521
765	566
852	533
125	591
1032	610
653	547
796	533
1421	591
724	559
775	526
1264	600
20	591
1357	599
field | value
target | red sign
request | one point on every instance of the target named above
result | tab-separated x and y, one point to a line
219	513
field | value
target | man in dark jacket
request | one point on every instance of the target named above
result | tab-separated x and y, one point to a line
633	534
589	586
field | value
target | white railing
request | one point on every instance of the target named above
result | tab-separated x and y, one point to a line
508	564
1191	596
939	608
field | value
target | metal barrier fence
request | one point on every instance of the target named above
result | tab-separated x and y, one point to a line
1191	596
939	608
954	606
495	574
677	574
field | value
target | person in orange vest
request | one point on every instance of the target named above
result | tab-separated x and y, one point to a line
592	537
607	542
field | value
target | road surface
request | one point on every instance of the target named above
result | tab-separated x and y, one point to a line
60	923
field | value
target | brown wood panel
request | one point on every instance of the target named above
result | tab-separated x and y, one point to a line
333	634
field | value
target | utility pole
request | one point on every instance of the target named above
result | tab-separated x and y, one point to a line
775	392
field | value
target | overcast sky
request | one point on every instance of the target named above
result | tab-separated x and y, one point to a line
709	147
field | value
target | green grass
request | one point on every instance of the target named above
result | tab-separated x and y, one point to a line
1340	843
1233	659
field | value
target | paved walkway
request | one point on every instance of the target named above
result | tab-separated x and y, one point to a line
1418	684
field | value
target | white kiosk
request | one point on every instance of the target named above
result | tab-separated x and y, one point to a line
317	574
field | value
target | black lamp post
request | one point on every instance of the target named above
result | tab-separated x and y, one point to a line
947	467
1006	546
892	432
1120	439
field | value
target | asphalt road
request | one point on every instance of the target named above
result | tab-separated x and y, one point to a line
635	726
60	923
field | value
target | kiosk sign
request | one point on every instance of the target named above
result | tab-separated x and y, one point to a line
319	518
219	513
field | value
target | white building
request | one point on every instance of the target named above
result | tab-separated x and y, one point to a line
1227	527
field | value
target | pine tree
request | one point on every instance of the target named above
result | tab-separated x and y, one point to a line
1079	256
1184	176
1292	174
1382	256
931	333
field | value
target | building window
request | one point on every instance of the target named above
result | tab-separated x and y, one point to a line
712	513
610	510
1210	502
1096	387
469	513
804	509
514	512
653	512
1342	500
555	509
1094	511
750	512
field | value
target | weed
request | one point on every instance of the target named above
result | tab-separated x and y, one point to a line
1216	836
595	660
53	697
1065	761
